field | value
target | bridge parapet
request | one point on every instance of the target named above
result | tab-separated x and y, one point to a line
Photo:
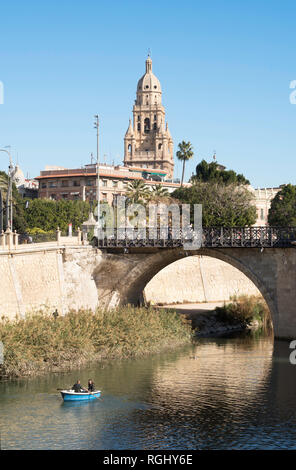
9	241
212	237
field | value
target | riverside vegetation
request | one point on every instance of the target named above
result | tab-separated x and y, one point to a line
247	310
242	313
41	343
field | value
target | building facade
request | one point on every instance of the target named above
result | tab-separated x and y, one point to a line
82	183
148	142
263	198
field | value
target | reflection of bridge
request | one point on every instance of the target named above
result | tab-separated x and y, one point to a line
212	237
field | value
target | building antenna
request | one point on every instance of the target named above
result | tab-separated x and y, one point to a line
149	52
214	156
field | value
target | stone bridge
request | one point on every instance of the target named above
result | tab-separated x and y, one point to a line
61	275
121	277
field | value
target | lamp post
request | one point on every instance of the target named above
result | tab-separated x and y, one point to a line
96	126
1	212
9	205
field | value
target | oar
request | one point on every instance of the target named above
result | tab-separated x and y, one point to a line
98	398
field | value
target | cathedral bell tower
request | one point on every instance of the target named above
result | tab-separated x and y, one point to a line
148	142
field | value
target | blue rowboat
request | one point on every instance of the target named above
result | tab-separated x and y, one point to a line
70	395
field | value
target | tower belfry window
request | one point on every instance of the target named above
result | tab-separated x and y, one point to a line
147	125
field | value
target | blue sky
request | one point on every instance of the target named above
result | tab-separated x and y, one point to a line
224	66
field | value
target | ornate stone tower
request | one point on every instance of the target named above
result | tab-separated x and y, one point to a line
148	142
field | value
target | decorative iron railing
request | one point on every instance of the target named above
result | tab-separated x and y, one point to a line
212	237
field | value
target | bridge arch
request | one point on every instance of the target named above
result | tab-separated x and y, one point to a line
251	262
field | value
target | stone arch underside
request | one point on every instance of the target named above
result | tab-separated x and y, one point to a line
130	273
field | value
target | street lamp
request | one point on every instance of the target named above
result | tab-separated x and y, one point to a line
96	126
9	204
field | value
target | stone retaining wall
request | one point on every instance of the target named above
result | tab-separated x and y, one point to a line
49	278
198	279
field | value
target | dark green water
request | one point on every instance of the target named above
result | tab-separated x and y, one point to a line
237	393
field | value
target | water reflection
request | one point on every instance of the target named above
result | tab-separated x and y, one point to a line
223	393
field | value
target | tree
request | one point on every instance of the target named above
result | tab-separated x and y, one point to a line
222	205
48	215
137	191
19	223
210	172
282	210
159	191
184	154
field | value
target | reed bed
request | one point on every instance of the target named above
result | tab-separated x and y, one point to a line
246	310
39	343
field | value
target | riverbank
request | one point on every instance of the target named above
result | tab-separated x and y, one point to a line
220	318
41	343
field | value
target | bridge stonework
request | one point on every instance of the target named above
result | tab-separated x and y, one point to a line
81	276
121	277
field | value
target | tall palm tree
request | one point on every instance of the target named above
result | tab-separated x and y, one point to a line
184	154
137	191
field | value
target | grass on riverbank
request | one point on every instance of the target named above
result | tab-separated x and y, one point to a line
39	343
244	309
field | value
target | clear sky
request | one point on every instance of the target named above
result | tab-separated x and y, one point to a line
225	68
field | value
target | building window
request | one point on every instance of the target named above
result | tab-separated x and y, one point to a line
115	184
104	183
52	184
159	146
43	185
76	183
129	148
154	126
139	118
147	125
65	195
89	182
65	184
139	126
262	214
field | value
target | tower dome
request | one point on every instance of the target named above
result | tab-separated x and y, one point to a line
149	82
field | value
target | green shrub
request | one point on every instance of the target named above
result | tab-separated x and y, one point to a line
244	309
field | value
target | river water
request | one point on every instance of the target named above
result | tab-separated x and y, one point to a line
235	393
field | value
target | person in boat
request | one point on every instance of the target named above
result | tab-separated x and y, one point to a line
77	387
91	385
